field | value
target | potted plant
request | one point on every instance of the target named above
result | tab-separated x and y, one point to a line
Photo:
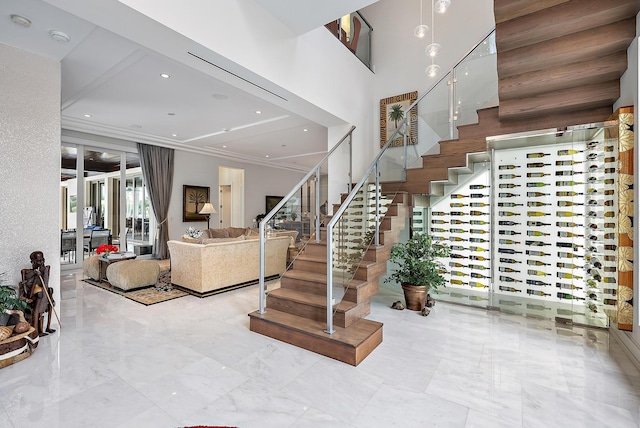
10	300
418	269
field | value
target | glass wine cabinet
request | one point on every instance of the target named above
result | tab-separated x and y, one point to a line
534	229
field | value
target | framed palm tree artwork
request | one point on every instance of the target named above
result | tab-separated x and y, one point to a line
193	199
393	111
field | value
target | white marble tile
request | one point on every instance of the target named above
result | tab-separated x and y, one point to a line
154	417
5	422
478	419
185	391
314	418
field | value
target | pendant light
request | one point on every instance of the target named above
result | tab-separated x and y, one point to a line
433	49
421	30
441	6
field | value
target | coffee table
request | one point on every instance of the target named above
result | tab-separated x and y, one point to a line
105	261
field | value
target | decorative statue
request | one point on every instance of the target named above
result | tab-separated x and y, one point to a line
35	290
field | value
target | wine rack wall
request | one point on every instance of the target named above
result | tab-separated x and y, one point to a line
538	223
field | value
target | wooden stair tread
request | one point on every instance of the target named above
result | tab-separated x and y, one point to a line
352	336
309	299
320	278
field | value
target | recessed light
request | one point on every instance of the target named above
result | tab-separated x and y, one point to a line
224	147
174	135
59	36
305	130
258	112
220	97
266	156
87	115
171	114
164	75
284	145
21	20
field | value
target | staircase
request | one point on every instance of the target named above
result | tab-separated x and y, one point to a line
296	308
559	64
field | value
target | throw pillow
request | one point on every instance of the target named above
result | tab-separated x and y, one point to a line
218	240
186	238
234	232
218	233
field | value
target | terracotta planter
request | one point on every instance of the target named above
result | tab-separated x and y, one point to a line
415	296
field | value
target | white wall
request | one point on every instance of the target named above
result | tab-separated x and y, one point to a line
201	170
30	163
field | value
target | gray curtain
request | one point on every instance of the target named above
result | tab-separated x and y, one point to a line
157	169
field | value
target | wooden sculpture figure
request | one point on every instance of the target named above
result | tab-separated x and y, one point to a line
35	290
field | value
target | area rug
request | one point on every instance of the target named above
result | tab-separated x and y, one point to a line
161	292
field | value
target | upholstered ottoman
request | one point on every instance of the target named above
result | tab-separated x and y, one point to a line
130	274
91	267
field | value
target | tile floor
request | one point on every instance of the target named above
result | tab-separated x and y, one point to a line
194	361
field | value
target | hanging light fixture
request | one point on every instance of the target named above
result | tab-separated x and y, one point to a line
441	6
421	30
433	49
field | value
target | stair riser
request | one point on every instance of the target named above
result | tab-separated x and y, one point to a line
363	293
319	313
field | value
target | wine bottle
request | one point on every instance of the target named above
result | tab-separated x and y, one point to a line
537	282
507	223
536	194
568	296
537	292
511	261
568	245
537	155
507	213
438	213
536	233
594	202
458	248
562	265
568	183
507	269
508	176
458	196
567	275
565	286
569	152
570	193
610	214
476	213
508	251
457	205
537	307
478	204
419	221
456	221
609	258
537	223
509	204
537	204
567	214
565	255
438	230
509	289
610	269
478	267
479	258
457	239
538	184
610	301
478	186
457	213
478	222
508	195
536	174
480	240
609	280
568	203
537	263
437	221
508	185
609	159
503	167
536	243
479	195
457	282
537	272
537	165
567	224
456	264
478	231
536	214
478	275
458	256
537	253
458	273
455	230
613	291
508	232
562	234
508	279
567	162
477	249
593	144
610	247
508	241
476	284
568	172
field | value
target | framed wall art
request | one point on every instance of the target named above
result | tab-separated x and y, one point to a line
193	199
393	111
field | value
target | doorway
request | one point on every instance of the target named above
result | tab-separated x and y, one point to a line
231	197
225	205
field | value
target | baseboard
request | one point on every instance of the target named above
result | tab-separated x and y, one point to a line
223	289
630	347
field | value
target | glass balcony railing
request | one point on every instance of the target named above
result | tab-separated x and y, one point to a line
355	33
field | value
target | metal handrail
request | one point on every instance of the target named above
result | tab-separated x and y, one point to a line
314	171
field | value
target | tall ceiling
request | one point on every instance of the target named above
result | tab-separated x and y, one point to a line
112	86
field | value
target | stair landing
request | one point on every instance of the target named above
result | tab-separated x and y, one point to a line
349	345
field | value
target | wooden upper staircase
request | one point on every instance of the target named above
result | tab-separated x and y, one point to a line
296	309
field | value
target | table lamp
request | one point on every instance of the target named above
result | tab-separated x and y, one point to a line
208	210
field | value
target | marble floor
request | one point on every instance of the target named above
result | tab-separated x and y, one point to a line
194	361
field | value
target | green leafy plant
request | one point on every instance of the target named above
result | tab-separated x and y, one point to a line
9	297
396	114
417	262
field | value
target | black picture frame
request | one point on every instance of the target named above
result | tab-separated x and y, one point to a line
270	202
193	199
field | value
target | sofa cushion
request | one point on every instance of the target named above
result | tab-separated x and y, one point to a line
199	240
234	232
217	240
218	233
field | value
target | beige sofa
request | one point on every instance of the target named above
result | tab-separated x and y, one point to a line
218	266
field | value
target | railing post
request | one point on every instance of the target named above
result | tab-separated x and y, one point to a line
350	163
318	204
329	329
377	232
262	286
452	104
405	145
